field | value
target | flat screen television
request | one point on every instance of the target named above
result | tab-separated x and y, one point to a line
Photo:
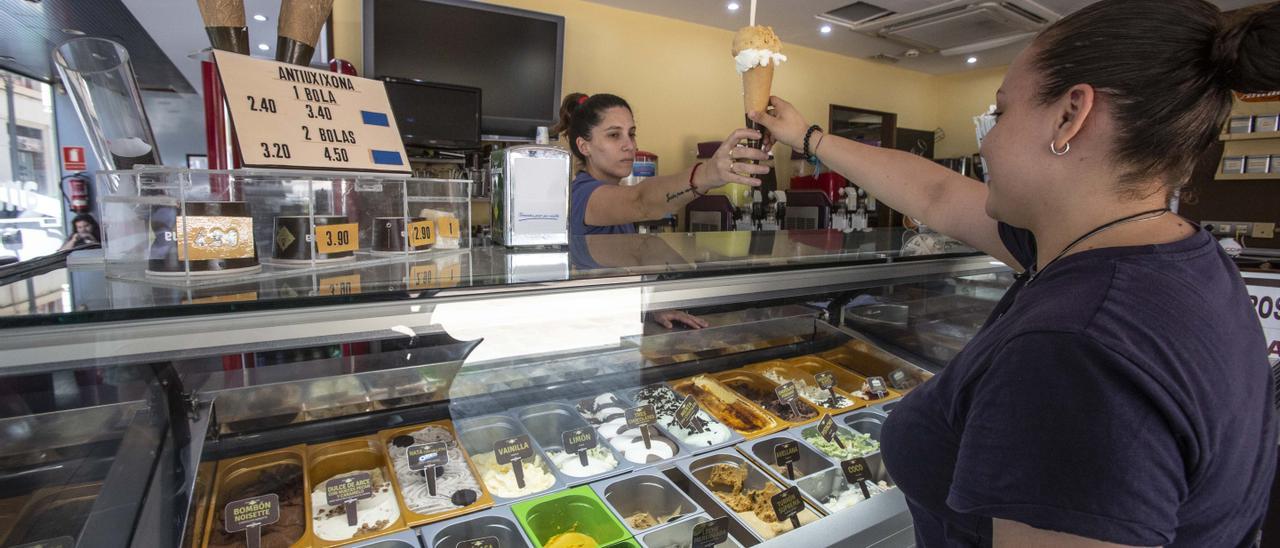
514	56
437	116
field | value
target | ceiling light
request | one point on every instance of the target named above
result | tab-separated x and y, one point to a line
259	17
971	60
733	6
264	47
826	29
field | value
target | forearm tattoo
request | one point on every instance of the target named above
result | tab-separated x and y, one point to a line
673	195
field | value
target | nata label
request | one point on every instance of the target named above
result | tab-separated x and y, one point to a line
788	503
251	512
579	439
643	415
427	455
512	449
337	238
486	542
339	491
710	533
286	116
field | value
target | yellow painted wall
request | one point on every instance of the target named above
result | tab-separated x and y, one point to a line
961	97
680	81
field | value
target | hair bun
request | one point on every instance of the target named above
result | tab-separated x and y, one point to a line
1246	50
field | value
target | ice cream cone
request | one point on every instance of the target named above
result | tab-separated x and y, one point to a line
756	86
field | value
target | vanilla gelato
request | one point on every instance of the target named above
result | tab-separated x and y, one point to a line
501	478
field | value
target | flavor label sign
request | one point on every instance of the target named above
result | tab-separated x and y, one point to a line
252	512
643	415
855	470
427	455
710	533
517	448
581	439
825	379
287	116
687	410
788	505
339	491
827	428
486	542
787	393
786	454
876	387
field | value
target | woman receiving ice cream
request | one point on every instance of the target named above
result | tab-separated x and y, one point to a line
601	134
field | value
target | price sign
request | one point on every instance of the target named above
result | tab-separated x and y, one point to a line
687	410
486	542
856	472
709	534
250	515
579	440
422	276
427	458
286	116
829	431
422	233
514	451
346	490
337	286
786	454
642	417
449	227
788	505
337	238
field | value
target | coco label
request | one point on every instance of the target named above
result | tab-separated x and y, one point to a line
856	472
788	505
346	490
786	454
687	410
709	534
250	515
829	431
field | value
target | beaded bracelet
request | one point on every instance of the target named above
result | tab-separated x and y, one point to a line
807	153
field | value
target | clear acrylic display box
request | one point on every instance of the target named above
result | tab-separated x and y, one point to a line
187	227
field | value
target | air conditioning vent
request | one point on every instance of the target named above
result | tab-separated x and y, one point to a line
959	26
882	58
860	12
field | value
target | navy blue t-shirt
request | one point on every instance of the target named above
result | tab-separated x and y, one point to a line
579	193
1123	396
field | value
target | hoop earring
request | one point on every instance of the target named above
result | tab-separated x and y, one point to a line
1054	149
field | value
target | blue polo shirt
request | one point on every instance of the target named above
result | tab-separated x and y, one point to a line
1123	396
579	193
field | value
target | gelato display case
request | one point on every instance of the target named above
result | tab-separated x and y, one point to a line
485	401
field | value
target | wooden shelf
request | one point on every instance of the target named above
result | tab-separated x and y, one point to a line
1264	136
1247	177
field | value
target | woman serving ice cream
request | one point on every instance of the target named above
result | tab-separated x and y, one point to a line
601	133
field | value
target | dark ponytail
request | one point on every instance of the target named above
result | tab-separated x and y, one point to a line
1168	68
580	113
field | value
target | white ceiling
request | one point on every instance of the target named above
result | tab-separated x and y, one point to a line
176	27
794	22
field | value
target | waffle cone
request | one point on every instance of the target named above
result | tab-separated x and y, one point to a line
222	13
757	85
